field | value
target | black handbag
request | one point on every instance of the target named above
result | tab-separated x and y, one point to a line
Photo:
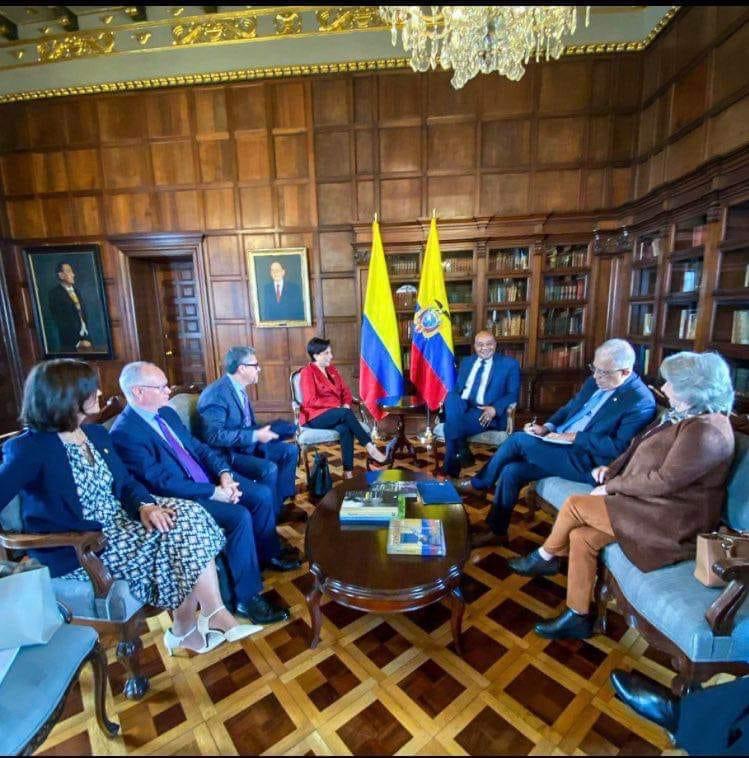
320	481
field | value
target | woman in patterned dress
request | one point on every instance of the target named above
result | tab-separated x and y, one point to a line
71	479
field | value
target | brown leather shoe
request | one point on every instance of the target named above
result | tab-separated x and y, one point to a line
486	537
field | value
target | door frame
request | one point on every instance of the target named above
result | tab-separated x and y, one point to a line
164	246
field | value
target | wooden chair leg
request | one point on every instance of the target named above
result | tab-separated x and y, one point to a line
304	450
136	685
99	664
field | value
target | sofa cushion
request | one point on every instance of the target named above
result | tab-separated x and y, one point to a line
674	602
490	437
186	405
36	682
309	436
556	490
737	499
78	597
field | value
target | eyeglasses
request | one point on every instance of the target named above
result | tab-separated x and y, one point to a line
159	387
251	365
595	370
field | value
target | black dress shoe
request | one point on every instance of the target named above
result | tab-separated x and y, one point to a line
284	564
260	611
534	565
647	698
568	626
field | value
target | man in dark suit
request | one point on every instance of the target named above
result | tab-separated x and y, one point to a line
487	384
227	423
68	311
592	429
282	300
160	452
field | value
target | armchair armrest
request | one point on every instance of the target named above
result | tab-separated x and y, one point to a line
85	545
720	615
511	408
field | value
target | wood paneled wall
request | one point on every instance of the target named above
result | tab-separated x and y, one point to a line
300	161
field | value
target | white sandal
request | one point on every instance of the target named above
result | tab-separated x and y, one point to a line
238	632
171	641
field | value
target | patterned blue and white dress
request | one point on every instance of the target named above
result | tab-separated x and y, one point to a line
160	569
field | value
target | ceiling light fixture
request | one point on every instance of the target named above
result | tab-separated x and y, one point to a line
478	39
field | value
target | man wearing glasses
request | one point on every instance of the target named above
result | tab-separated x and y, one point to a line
228	424
592	429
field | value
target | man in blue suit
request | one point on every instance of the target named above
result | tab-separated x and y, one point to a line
162	454
487	384
281	300
592	429
227	423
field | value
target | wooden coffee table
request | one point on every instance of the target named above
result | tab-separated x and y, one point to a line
350	564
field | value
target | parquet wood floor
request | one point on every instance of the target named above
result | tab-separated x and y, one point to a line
385	685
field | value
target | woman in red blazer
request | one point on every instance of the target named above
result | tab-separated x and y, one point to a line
326	404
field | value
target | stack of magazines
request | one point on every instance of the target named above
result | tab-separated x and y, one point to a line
416	536
371	506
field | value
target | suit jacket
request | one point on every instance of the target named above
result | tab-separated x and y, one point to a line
503	387
289	308
630	408
66	317
668	487
320	394
152	461
221	418
36	466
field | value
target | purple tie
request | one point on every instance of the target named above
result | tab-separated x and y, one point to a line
247	409
192	468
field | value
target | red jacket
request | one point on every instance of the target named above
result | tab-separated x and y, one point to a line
321	393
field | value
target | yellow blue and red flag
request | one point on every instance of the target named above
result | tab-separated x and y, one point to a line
432	355
380	370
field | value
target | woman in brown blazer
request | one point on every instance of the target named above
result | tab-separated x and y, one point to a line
654	499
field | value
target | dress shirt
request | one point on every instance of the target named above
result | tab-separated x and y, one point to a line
73	295
483	380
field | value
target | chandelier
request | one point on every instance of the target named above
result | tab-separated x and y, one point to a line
479	39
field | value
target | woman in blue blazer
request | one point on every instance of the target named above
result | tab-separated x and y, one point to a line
71	479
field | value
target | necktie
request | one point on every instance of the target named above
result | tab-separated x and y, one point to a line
248	420
192	468
474	393
585	410
278	293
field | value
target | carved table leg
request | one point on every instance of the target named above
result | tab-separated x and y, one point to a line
136	685
99	664
456	619
315	614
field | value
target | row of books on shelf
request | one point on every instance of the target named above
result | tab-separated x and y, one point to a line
462	265
566	288
507	324
740	328
572	256
650	247
559	322
562	356
403	265
508	291
511	259
687	324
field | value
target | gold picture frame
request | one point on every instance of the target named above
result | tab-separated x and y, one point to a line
279	287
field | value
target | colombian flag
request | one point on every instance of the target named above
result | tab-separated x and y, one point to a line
432	354
380	371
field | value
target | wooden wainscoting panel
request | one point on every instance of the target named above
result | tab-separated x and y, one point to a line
298	339
289	110
218	209
83	169
727	15
230	300
556	190
87	215
565	88
365	200
291	156
217	161
335	202
47	124
18	173
506	144
344	337
331	101
600	85
50	174
15	132
130	212
336	253
451	146
727	76
661	122
365	153
501	97
621	185
82	121
180	210
400	199
258	242
211	118
627	81
58	220
399	97
365	99
118	119
229	335
504	194
400	149
560	140
646	132
246	104
271	343
339	297
257	206
124	166
333	153
173	162
273	386
594	188
599	137
730	129
625	133
651	71
25	218
689	97
168	114
686	154
657	169
452	196
223	255
253	158
294	205
444	100
692	35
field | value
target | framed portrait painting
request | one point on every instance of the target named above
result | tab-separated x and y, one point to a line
69	301
279	286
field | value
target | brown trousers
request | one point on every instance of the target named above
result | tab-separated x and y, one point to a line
582	529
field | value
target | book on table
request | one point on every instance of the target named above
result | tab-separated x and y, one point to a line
416	536
371	505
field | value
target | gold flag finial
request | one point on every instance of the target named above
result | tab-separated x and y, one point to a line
375	217
434	213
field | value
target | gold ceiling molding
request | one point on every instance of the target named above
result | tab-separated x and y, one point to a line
288	23
346	19
78	45
209	32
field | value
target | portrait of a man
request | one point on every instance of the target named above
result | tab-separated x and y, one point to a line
69	302
280	283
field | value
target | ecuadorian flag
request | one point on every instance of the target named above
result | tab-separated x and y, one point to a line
432	354
380	371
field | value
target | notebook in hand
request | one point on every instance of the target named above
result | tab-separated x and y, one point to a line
437	493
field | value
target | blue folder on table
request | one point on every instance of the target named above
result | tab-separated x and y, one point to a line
437	493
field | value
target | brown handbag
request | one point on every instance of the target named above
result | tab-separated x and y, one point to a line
717	546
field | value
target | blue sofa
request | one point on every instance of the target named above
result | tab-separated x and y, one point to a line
704	630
